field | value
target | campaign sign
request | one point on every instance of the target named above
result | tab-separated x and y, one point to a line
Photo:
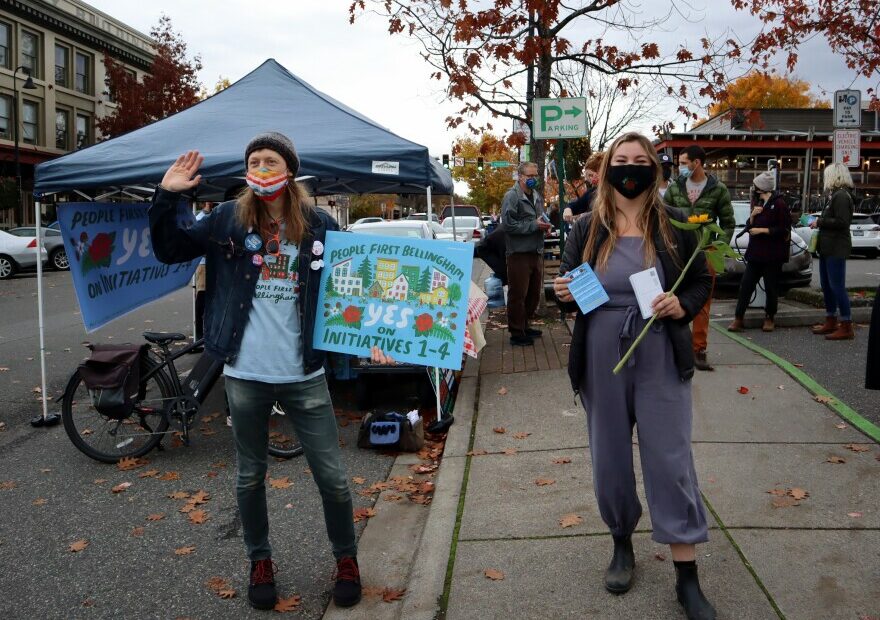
111	259
406	296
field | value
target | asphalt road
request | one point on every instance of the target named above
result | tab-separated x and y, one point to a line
860	271
50	496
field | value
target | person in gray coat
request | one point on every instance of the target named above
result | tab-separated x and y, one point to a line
524	230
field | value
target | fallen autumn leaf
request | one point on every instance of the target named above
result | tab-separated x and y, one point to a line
493	574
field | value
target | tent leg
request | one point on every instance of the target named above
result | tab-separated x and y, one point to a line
443	422
430	208
44	419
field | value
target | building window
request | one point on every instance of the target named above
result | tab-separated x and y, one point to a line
30	121
5	117
62	132
5	37
83	135
30	52
83	73
62	66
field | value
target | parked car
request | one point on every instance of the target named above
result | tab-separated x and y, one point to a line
467	228
422	217
397	228
864	231
441	233
17	253
368	220
460	210
798	271
52	241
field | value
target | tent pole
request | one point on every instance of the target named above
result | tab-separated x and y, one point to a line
430	208
44	419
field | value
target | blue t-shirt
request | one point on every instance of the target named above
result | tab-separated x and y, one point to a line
271	346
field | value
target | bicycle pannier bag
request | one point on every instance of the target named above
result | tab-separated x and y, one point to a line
112	376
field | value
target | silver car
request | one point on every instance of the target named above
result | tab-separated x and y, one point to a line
798	271
52	241
468	228
17	253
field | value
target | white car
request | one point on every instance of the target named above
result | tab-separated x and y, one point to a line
53	243
18	253
422	217
414	229
864	231
442	233
467	228
369	220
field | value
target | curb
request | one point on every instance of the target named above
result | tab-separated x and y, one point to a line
796	318
840	408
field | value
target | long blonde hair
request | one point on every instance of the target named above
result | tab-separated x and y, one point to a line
653	212
837	176
252	214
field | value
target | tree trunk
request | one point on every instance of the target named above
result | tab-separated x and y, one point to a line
542	91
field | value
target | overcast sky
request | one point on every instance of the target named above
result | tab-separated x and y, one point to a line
383	77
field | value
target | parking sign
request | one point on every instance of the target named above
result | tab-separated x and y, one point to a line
848	108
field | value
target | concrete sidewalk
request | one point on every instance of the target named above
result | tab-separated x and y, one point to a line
817	559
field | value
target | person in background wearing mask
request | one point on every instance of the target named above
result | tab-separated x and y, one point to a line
628	231
264	254
666	166
591	180
524	228
769	230
698	193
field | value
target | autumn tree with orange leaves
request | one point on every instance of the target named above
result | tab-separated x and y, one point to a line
170	86
851	28
485	52
760	90
487	186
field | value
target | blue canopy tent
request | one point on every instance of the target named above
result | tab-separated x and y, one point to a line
341	151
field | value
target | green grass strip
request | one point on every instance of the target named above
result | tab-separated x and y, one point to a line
450	565
743	559
835	404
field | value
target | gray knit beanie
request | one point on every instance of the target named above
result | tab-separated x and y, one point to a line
277	142
765	182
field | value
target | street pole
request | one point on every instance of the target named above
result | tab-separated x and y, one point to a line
29	85
560	177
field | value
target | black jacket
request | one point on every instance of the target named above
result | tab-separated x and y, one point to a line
692	293
231	274
872	368
493	252
835	239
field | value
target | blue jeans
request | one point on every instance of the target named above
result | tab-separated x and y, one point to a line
308	403
832	274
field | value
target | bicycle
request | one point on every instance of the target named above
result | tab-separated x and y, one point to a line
162	399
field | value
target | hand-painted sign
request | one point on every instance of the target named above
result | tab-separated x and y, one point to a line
406	296
111	259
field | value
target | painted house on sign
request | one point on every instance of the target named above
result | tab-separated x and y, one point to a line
386	272
344	279
375	291
438	279
399	289
438	297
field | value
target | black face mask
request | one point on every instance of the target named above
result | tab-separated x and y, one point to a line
631	180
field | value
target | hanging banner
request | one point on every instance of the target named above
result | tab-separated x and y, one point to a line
407	296
111	259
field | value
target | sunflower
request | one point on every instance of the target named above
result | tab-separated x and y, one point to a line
698	219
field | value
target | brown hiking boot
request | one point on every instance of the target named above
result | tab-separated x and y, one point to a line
827	327
736	326
844	331
701	362
769	325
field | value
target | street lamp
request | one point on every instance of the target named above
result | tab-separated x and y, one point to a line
28	85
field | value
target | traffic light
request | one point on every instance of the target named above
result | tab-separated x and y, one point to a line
479	163
446	161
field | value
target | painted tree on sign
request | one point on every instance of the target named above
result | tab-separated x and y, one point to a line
170	86
330	289
851	28
454	293
365	272
425	281
495	55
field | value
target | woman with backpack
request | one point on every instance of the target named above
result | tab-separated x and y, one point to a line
834	247
769	230
264	252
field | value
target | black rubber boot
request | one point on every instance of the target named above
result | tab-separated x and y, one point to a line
687	588
619	575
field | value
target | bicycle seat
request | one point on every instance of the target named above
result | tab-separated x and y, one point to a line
163	338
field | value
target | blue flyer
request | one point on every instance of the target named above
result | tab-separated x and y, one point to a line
111	258
586	288
406	296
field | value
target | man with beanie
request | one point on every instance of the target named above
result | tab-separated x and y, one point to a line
524	225
698	193
769	229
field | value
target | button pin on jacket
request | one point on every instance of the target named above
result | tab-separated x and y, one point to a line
317	248
253	242
317	264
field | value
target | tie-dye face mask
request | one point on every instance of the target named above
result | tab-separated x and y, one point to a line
267	185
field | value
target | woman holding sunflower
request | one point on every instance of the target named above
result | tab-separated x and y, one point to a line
628	231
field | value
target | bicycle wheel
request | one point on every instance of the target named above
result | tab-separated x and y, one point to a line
282	436
108	440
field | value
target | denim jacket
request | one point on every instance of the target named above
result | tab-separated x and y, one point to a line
231	275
